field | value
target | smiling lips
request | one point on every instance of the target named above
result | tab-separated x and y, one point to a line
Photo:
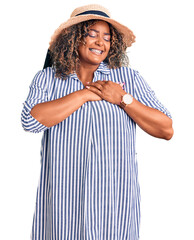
96	51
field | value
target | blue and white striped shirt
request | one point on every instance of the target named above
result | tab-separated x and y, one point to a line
88	186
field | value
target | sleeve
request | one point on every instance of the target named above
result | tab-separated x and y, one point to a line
37	94
145	95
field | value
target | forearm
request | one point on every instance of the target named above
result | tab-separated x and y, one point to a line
53	112
150	120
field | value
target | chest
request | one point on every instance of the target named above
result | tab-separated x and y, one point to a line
60	88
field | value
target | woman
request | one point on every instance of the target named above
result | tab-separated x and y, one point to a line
88	105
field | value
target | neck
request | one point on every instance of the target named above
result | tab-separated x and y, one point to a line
85	73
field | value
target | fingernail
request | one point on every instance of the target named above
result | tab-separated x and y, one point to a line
87	87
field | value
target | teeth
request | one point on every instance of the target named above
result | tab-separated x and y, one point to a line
95	51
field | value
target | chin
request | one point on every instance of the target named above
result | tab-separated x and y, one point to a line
97	61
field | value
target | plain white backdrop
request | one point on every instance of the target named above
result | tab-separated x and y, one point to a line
163	54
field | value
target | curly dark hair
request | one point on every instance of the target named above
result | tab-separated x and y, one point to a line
64	49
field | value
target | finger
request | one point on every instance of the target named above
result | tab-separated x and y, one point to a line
99	82
94	90
122	84
103	81
97	85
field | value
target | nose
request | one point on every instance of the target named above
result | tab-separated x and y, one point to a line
99	41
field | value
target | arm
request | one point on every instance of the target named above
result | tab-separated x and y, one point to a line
38	113
151	120
53	112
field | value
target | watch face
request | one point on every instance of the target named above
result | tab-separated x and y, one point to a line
127	99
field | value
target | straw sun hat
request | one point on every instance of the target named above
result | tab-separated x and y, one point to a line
94	11
86	13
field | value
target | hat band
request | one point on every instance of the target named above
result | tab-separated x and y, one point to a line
93	12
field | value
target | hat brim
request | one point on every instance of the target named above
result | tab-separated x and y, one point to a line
129	37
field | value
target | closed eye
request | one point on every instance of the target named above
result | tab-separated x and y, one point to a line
94	34
107	37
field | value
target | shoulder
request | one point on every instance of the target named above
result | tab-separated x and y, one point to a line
124	72
44	77
46	72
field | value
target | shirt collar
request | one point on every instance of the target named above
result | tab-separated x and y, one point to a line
102	68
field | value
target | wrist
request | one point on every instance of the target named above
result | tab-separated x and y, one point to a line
120	96
126	100
83	95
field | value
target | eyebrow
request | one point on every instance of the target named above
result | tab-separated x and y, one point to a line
98	31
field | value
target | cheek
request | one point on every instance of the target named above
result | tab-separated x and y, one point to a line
89	41
82	50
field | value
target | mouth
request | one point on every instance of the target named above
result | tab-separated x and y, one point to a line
96	51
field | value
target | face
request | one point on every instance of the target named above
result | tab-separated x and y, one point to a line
97	45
